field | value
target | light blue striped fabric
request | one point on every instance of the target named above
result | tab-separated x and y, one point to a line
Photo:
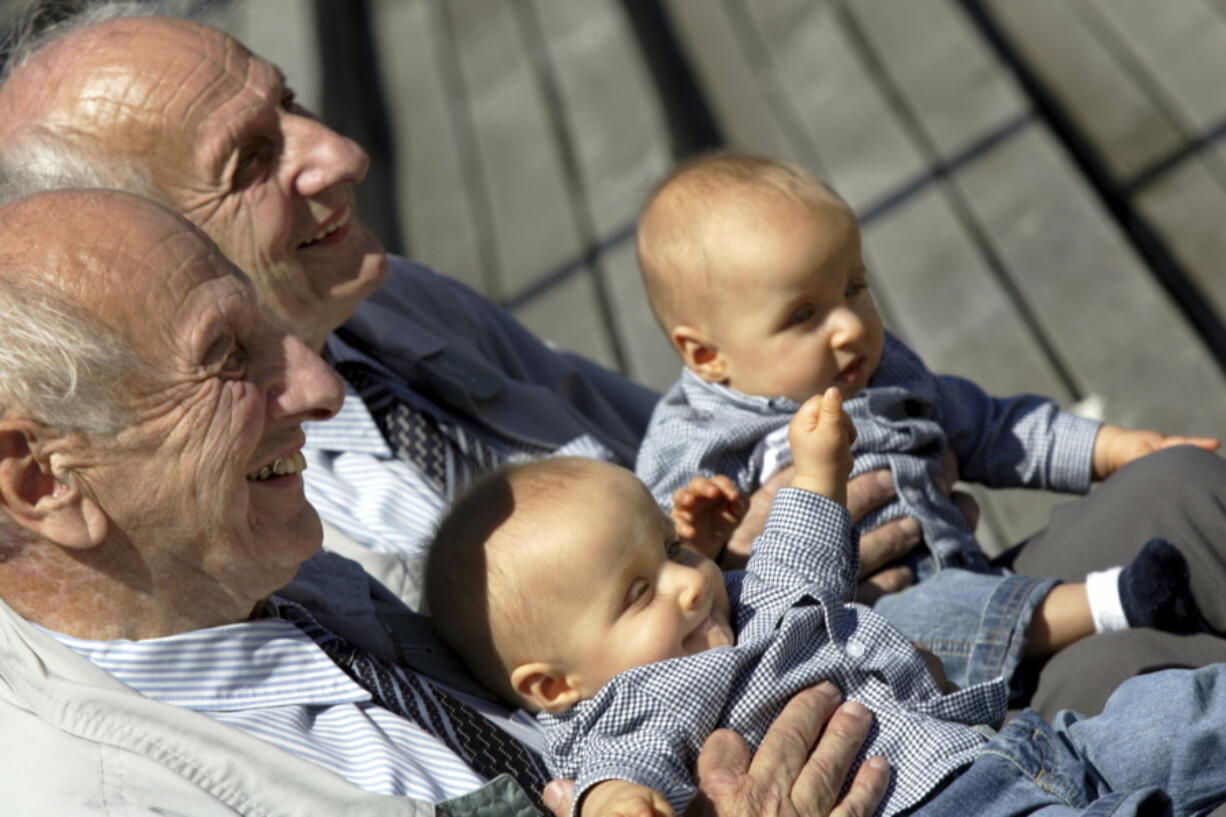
386	504
268	678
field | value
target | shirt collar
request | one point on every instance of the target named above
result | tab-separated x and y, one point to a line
250	665
710	396
352	428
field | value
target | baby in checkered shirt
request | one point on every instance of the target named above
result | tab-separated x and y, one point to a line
561	582
754	269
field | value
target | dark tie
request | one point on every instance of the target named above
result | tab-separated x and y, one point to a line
419	437
488	750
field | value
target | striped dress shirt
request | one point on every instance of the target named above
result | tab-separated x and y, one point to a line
357	483
268	678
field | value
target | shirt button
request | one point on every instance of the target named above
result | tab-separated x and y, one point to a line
855	649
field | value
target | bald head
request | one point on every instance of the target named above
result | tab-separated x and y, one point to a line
93	104
685	230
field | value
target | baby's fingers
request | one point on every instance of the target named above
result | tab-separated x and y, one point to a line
1207	443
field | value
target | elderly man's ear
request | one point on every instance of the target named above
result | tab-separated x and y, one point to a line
45	499
700	353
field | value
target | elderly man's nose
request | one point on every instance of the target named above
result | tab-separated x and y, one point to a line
309	388
320	157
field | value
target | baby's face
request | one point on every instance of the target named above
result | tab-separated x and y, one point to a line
623	590
798	317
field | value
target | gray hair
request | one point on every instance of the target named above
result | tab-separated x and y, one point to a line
58	365
42	152
38	26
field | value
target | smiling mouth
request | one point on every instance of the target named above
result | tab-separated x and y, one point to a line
329	229
280	467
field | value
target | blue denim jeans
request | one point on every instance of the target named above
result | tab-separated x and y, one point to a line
974	622
1159	748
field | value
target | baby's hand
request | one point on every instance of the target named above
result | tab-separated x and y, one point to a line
1115	447
706	512
621	798
821	435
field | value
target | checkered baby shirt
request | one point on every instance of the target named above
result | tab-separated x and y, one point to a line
905	420
795	626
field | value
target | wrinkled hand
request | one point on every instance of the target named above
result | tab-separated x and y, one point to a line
706	512
884	544
893	540
820	436
790	776
1115	447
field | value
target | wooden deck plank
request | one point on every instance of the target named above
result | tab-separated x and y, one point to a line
565	315
860	145
1119	333
433	184
620	149
1186	207
949	305
282	32
610	106
533	228
1106	105
650	358
1183	51
950	78
740	106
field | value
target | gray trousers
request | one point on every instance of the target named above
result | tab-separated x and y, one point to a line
1178	494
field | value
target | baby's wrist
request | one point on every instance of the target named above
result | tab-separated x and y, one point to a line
831	487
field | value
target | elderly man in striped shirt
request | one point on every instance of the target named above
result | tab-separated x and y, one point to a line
151	506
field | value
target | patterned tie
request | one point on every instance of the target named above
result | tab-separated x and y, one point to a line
420	438
488	750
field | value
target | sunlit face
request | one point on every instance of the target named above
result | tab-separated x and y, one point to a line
795	314
206	471
228	147
622	589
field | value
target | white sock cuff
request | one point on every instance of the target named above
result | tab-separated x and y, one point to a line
1106	607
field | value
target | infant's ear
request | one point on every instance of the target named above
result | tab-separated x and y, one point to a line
544	687
700	353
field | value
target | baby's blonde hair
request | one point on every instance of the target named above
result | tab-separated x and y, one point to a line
673	255
482	559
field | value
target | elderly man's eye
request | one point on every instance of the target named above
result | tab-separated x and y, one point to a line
236	361
253	164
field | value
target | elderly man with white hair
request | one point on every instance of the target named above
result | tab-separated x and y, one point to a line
152	660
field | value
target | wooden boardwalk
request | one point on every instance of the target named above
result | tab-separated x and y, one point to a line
1042	184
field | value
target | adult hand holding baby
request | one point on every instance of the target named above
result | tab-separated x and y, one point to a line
798	771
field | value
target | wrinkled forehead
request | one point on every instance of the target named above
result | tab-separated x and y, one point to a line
147	80
139	267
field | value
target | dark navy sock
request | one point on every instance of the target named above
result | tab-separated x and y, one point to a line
1154	590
